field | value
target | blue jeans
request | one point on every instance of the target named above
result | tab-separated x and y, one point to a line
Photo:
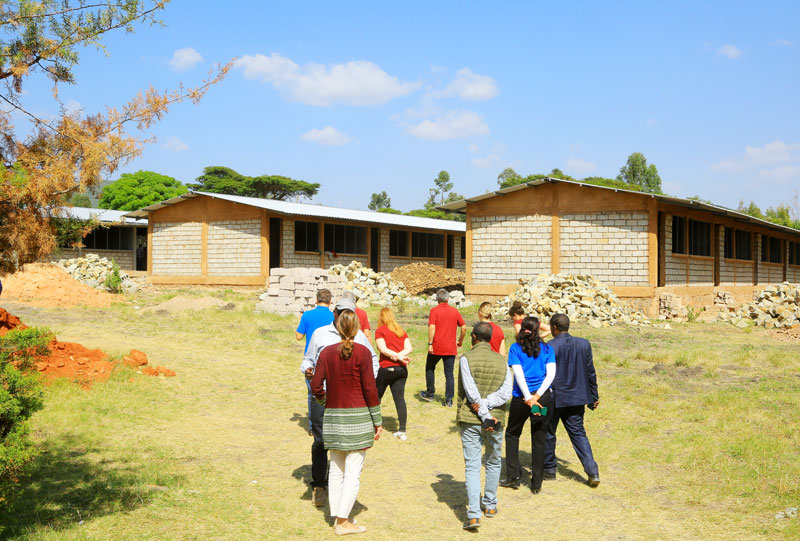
572	417
473	437
310	398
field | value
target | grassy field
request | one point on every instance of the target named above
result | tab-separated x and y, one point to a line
697	437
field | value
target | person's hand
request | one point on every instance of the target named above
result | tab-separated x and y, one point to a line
405	360
596	403
430	349
309	373
460	342
475	407
533	401
378	432
491	428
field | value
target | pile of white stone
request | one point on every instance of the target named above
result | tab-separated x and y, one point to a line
293	291
579	296
93	270
456	299
370	287
776	307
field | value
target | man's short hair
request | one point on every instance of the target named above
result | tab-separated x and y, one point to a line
442	295
560	322
482	331
324	296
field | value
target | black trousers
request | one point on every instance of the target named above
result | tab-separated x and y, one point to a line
319	456
572	417
449	362
394	378
518	415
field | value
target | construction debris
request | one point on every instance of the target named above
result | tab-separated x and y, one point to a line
775	307
292	291
370	287
426	278
671	307
579	296
93	270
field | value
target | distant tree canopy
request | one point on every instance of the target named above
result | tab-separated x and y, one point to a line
440	193
781	215
80	200
637	172
136	190
509	177
380	201
437	214
218	179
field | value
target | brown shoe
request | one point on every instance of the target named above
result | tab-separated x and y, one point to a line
318	496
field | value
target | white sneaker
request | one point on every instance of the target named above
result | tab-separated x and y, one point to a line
400	436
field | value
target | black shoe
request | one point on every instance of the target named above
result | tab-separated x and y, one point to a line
549	475
472	524
594	480
535	490
447	403
510	483
427	397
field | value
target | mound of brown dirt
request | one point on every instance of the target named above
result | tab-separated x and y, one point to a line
8	322
426	278
47	286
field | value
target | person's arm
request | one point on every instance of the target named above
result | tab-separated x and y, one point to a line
310	356
370	391
544	330
380	343
471	390
501	395
517	327
300	333
406	351
591	375
519	376
462	334
318	382
431	332
502	347
367	333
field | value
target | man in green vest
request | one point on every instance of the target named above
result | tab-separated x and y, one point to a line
484	389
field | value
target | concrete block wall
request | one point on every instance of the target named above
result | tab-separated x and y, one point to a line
769	274
293	291
176	248
611	246
732	272
290	259
701	272
675	267
505	248
126	259
793	274
458	263
234	248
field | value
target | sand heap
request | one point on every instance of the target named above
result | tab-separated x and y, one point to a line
580	296
426	278
77	362
46	285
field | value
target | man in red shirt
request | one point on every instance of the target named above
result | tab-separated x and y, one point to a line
443	322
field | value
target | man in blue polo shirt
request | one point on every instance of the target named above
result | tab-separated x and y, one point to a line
310	321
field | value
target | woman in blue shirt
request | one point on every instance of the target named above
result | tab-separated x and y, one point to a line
534	365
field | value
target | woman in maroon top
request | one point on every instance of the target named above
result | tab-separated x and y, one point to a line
344	383
394	346
498	342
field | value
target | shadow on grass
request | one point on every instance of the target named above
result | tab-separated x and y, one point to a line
301	420
451	492
65	487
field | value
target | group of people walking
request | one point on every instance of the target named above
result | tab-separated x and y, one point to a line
540	382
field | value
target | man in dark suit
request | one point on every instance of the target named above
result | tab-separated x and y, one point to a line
574	387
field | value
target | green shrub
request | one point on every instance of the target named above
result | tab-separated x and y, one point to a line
113	280
21	395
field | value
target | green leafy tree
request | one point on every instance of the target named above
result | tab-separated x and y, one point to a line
751	210
80	200
636	171
218	179
513	180
437	214
390	211
611	183
781	215
509	177
380	201
438	194
136	190
21	395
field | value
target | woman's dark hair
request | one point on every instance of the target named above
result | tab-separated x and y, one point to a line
528	337
516	309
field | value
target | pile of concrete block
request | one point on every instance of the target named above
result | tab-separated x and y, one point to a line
671	307
293	291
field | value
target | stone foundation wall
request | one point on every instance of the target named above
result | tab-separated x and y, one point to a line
234	248
176	248
505	248
612	247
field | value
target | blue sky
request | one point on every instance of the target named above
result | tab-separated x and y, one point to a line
370	96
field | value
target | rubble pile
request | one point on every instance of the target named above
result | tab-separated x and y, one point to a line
370	287
92	270
671	307
456	299
292	291
579	296
426	278
775	307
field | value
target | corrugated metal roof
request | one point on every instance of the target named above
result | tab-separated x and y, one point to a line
461	206
103	215
317	211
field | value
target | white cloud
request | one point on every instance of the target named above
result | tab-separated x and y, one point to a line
775	152
784	42
473	148
785	172
185	59
580	166
72	107
357	82
470	86
453	125
174	144
725	165
729	50
326	136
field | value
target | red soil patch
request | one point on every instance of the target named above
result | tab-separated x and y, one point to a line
47	286
79	363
